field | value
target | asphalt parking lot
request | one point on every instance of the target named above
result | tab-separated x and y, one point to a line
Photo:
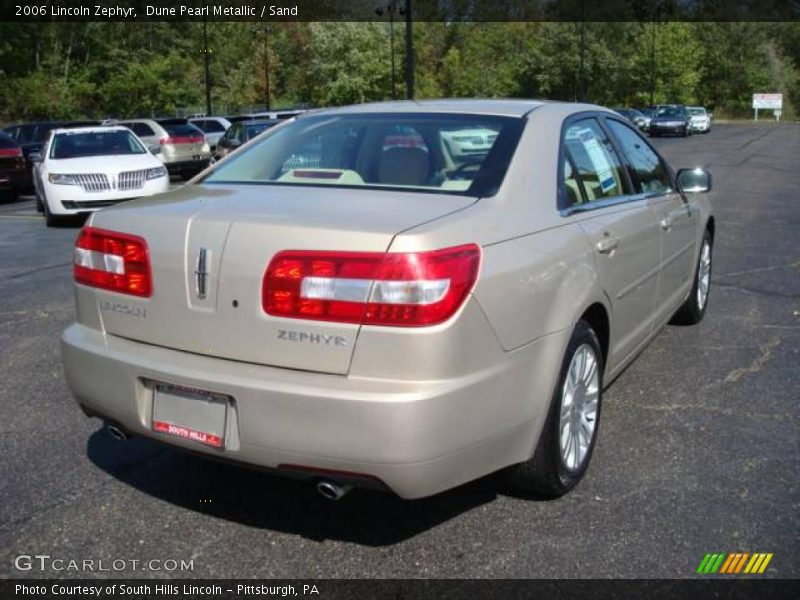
698	447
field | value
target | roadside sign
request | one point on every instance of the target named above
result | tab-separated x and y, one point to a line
768	101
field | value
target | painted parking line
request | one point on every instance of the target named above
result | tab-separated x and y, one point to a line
24	217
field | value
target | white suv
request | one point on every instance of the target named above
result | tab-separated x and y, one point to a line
181	146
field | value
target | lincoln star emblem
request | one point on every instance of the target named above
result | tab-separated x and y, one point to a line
201	273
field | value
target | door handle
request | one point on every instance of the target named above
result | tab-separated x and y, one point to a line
607	245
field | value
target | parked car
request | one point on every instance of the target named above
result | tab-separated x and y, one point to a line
670	119
636	117
462	143
82	170
390	317
32	136
213	127
240	133
181	146
699	118
13	173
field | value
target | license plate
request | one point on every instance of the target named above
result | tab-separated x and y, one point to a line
190	414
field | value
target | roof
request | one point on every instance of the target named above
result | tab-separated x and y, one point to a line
503	107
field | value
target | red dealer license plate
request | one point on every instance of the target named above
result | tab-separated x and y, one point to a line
190	414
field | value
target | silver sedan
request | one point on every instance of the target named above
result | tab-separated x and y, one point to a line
405	296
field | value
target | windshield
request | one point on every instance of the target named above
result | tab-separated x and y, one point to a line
445	153
670	112
255	129
697	112
95	143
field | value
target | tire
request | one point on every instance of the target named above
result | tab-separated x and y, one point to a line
685	132
50	220
694	308
39	203
551	472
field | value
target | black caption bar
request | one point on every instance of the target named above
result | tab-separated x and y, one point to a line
422	10
440	589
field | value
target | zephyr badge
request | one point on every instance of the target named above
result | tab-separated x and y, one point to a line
201	273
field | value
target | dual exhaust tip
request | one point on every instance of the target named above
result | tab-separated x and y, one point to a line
326	488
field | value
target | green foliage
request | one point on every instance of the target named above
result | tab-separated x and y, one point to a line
72	70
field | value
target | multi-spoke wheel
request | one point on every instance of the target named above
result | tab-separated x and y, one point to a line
579	401
693	310
568	437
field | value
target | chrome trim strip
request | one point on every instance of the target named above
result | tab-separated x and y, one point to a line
600	204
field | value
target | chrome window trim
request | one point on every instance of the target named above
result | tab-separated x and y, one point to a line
600	204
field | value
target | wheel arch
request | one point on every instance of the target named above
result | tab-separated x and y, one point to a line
597	316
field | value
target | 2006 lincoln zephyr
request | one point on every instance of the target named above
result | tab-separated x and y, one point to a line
405	296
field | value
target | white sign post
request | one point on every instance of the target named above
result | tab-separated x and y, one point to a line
772	102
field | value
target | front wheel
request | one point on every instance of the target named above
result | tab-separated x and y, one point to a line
694	309
50	220
567	440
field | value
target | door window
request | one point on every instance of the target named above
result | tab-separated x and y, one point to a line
647	170
598	168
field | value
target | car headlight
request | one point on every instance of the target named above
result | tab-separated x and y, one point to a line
61	179
156	172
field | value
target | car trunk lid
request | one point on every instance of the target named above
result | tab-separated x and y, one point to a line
209	247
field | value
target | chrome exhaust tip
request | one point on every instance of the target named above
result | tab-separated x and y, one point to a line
116	433
332	490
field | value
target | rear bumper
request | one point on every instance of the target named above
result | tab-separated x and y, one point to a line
13	180
416	437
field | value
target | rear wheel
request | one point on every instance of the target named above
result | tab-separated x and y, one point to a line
567	440
694	309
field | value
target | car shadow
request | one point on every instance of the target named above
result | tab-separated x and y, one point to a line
260	499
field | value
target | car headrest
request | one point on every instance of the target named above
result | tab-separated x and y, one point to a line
402	165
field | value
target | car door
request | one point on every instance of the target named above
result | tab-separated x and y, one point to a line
674	213
619	226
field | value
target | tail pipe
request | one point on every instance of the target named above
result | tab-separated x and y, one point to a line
116	433
332	490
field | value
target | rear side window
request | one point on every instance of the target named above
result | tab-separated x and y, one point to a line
597	167
647	170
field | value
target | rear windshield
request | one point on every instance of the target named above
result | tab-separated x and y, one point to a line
95	143
209	126
181	130
6	141
444	153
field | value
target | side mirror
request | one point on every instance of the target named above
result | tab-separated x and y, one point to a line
35	157
693	181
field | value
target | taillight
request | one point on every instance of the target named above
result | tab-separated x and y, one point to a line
374	288
113	261
182	140
11	152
